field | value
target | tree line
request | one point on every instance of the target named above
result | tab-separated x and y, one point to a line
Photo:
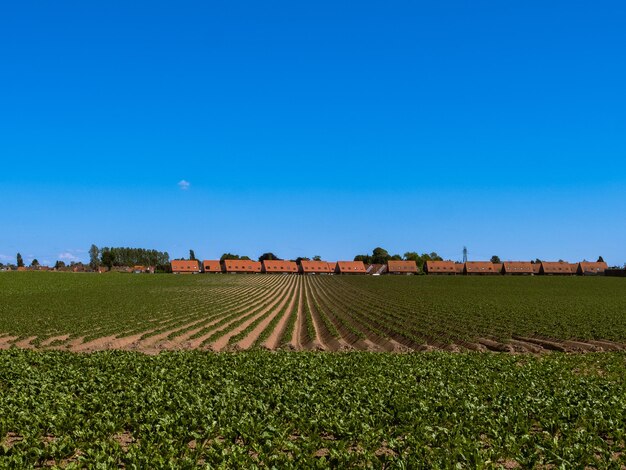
125	256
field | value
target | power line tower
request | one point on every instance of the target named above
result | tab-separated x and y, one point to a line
465	254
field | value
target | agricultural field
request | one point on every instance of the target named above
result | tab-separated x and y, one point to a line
152	313
258	409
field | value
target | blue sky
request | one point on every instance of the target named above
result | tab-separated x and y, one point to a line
312	128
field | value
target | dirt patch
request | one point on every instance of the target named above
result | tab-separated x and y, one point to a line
7	341
509	464
546	344
124	439
11	439
26	343
495	345
53	340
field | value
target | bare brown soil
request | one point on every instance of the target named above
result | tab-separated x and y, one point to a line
273	340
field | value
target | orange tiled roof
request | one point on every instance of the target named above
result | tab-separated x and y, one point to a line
279	266
185	266
518	267
440	267
309	267
587	267
211	266
401	266
480	267
550	267
242	266
350	267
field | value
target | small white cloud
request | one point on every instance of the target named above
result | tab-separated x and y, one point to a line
67	256
184	185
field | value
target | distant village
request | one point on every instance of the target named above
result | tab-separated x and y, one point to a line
397	267
379	262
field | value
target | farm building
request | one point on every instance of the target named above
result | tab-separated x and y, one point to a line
439	267
277	267
332	265
536	268
183	266
480	267
588	268
314	267
459	268
401	267
242	266
123	269
497	267
555	268
211	266
350	267
376	269
573	267
140	269
517	267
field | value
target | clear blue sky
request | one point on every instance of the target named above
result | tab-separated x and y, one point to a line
312	128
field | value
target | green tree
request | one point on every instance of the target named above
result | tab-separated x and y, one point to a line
317	258
301	258
108	258
495	259
20	261
34	263
395	258
59	264
380	255
268	256
192	255
94	261
366	259
600	259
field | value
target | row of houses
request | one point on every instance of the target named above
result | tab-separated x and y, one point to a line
516	268
391	267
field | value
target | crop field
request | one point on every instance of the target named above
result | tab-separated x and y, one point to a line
260	409
151	313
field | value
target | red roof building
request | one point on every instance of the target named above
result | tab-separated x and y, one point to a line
242	266
480	267
459	268
439	267
211	266
536	268
589	268
314	267
332	266
184	266
279	266
517	267
401	267
350	267
559	267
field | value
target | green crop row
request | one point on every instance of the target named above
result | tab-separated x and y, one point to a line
312	410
